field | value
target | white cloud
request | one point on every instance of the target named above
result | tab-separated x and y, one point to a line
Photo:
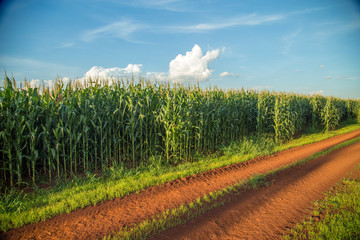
298	70
159	76
319	92
224	74
249	20
328	77
322	66
121	29
194	66
49	83
115	72
227	74
125	28
66	80
35	83
133	68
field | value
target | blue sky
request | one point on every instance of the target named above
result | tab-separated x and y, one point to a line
294	46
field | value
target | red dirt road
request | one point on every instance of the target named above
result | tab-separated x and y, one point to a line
266	213
95	222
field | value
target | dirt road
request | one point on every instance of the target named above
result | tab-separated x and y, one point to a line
97	221
266	213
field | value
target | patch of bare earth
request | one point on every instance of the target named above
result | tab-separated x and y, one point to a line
95	222
267	213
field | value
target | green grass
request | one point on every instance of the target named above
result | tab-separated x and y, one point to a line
337	216
313	136
18	209
183	213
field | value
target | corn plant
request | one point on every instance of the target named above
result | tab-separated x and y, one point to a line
331	114
100	123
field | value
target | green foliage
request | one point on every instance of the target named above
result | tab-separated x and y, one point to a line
331	114
265	112
183	213
20	208
283	118
11	201
101	123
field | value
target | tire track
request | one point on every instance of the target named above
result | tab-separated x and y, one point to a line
266	213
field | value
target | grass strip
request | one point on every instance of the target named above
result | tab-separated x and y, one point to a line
17	209
337	216
312	137
183	213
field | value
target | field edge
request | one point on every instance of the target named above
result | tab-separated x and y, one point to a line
183	213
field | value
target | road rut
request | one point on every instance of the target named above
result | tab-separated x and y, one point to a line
266	213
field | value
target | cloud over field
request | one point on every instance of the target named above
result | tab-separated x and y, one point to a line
193	65
319	92
121	29
227	74
114	72
36	83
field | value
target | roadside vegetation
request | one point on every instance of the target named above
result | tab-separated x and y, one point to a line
18	208
100	140
184	213
99	124
337	216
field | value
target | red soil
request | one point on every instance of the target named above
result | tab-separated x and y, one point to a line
95	222
267	213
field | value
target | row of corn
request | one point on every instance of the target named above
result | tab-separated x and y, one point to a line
95	125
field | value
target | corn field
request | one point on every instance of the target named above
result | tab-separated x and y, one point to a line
89	127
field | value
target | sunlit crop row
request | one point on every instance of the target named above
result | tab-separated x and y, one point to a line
78	128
